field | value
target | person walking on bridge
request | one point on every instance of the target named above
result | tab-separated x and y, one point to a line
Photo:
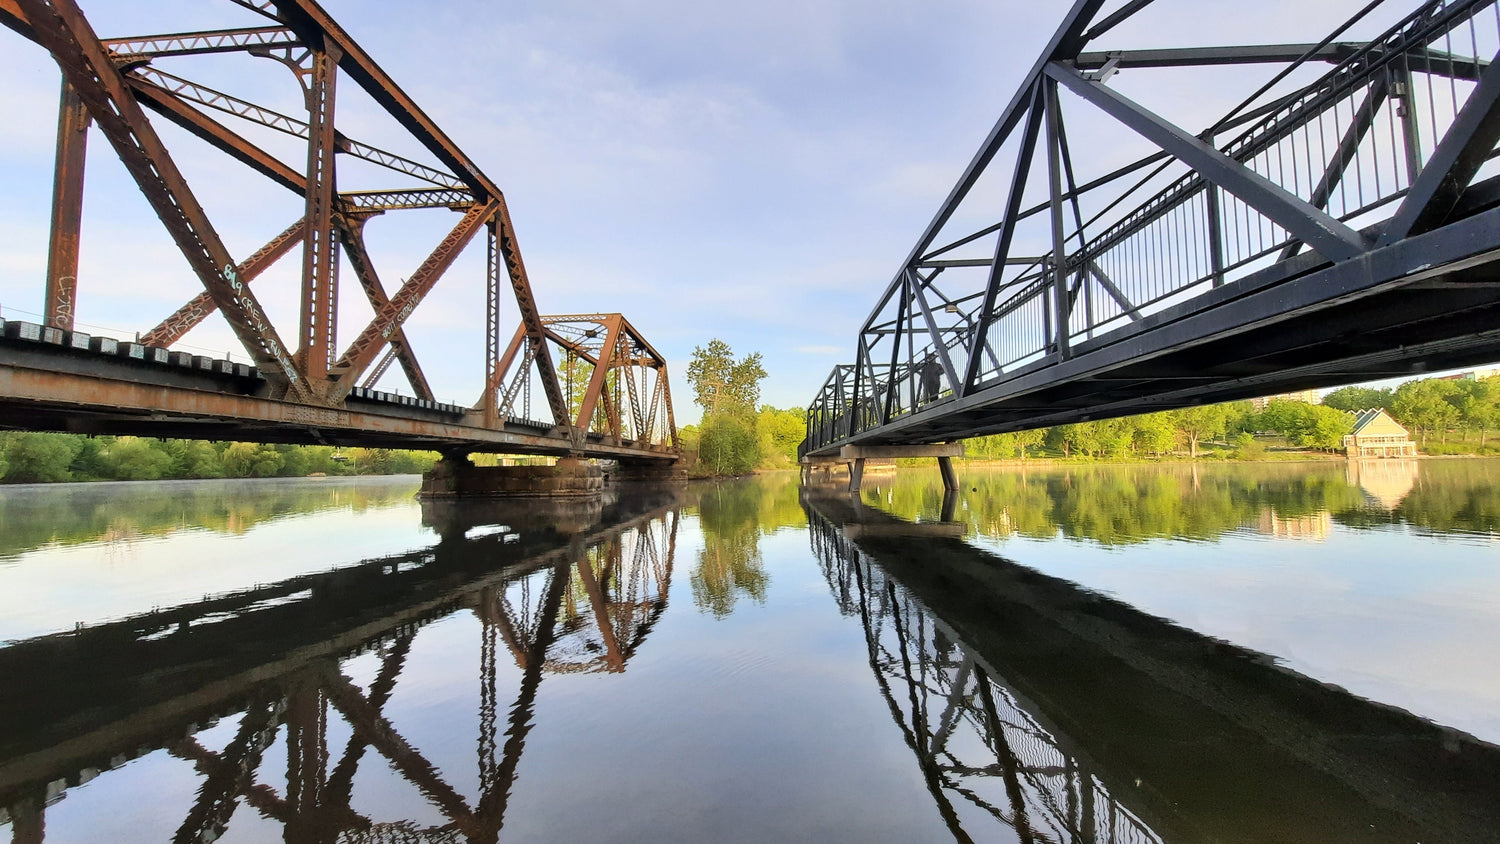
930	376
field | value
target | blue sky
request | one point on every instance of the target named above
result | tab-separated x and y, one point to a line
753	172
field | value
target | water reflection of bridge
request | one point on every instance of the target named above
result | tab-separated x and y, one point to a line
579	599
1066	716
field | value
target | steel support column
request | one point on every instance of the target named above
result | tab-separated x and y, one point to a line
67	210
320	251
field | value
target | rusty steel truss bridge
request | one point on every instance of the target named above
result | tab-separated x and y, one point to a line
1336	220
609	398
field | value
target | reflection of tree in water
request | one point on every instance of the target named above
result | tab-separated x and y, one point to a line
1454	496
1125	505
729	565
733	517
73	515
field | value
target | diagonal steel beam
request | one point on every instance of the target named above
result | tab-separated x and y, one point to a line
1455	161
352	233
372	340
373	727
195	311
1007	232
63	30
316	26
1331	238
1348	147
1114	291
504	250
915	282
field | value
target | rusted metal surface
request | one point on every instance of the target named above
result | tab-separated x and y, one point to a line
320	249
67	209
171	329
113	84
61	27
352	229
625	397
53	399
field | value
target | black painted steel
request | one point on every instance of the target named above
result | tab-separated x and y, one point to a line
1338	225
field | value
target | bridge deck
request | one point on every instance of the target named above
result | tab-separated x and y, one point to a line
54	380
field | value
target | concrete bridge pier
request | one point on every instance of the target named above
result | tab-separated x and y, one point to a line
455	477
944	452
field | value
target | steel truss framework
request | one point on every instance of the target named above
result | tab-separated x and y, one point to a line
1352	171
114	84
615	383
585	607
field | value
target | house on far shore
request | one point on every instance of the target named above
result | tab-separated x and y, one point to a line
1376	434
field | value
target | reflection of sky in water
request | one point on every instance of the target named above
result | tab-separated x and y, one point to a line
1391	614
52	588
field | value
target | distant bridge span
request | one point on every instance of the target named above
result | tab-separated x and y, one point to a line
605	395
1340	223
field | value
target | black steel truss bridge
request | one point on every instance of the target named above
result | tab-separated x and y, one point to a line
1117	246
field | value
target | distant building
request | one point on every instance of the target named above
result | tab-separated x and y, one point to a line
1315	526
1471	375
1309	396
1376	434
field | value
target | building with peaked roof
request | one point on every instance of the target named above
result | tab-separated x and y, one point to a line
1376	434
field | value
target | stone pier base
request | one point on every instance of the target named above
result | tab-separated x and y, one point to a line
458	478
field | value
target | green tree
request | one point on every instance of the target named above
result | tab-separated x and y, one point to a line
1478	404
137	459
250	460
1155	433
1355	398
779	433
1424	406
721	383
1201	423
728	445
40	458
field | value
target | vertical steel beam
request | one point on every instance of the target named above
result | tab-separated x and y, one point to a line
28	819
67	209
1059	239
503	237
63	30
1215	231
1405	101
320	251
1454	162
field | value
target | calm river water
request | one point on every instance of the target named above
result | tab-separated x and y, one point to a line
1273	652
